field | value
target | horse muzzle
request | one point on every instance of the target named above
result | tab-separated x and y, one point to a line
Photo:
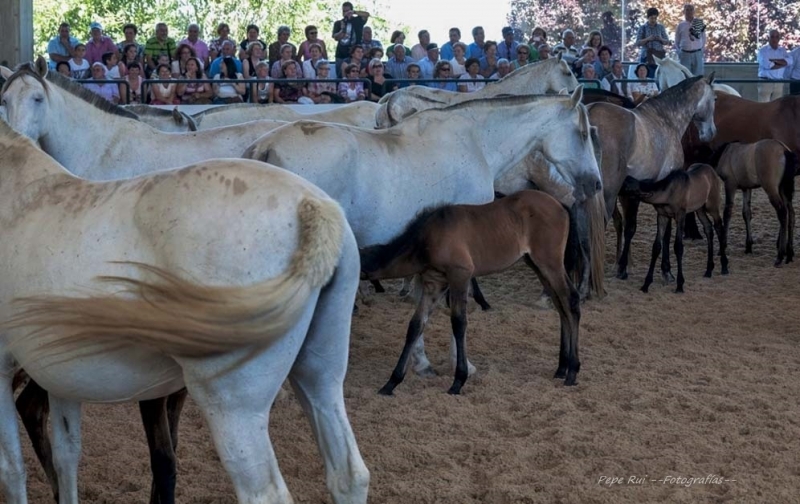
586	186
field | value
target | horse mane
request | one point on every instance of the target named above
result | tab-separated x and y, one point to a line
71	87
216	110
409	242
146	110
610	97
671	96
675	176
507	100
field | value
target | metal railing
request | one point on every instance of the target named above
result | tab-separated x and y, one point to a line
109	81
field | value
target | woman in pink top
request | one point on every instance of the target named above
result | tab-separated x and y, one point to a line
311	38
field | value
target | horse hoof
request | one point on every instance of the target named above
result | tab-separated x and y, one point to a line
667	277
748	249
560	374
427	372
645	288
622	275
725	271
707	274
403	292
486	307
778	263
386	390
679	290
454	390
571	381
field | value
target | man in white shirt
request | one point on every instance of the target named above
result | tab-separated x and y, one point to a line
690	40
569	52
772	63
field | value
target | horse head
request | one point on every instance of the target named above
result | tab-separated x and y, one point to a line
670	72
25	97
703	117
569	149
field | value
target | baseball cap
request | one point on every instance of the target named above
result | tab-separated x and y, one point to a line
94	25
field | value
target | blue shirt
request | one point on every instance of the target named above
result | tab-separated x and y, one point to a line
55	47
473	51
426	67
214	68
508	53
446	51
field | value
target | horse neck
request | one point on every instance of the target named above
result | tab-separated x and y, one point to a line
23	166
679	117
71	116
519	81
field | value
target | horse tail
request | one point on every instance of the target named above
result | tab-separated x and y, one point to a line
179	317
597	235
790	170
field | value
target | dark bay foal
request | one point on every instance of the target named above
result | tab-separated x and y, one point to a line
694	190
449	245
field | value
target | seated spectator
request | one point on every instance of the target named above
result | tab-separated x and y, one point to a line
163	93
130	55
356	58
62	67
98	44
507	48
602	64
162	43
398	63
587	57
523	56
215	46
443	70
61	47
375	52
255	55
161	59
640	91
194	93
131	31
473	67
107	90
613	81
184	52
134	80
261	92
428	63
594	41
353	90
369	43
199	47
398	38
488	62
310	64
287	92
252	36
538	37
113	66
316	89
419	51
569	51
228	49
328	97
78	65
459	59
224	90
589	76
503	69
275	51
413	73
378	85
544	52
286	56
305	48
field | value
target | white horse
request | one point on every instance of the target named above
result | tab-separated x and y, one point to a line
671	72
97	140
361	114
549	76
235	275
452	155
171	121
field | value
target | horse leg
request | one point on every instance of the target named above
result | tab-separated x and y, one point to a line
478	295
730	196
378	287
780	209
12	465
33	406
618	227
405	290
708	229
162	454
691	232
630	206
431	292
747	214
66	432
680	217
790	230
661	226
666	268
551	273
583	249
459	288
317	378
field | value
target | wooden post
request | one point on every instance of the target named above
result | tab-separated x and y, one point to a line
16	32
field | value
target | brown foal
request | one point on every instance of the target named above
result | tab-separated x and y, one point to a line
694	190
448	245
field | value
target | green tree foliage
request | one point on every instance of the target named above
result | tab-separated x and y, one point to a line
736	28
267	14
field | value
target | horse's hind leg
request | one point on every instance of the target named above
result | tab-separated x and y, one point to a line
630	206
747	214
12	465
708	229
317	378
459	289
431	292
65	422
618	227
33	406
661	228
780	209
162	453
680	218
666	268
378	286
478	295
405	290
691	231
790	230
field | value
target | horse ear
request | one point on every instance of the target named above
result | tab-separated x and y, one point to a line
5	72
41	66
577	96
658	60
710	78
560	56
564	91
177	116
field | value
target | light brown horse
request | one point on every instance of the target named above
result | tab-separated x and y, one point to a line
768	164
448	245
681	192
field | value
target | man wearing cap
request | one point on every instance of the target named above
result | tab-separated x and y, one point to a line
98	44
508	47
160	44
690	39
62	47
428	63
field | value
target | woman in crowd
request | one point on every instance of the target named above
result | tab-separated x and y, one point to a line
225	91
287	92
310	64
255	55
285	58
473	66
316	89
163	93
459	59
183	53
640	91
194	93
261	92
378	80
353	90
523	56
443	70
305	48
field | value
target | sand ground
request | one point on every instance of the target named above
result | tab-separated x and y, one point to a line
672	386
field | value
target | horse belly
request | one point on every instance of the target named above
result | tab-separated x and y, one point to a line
129	374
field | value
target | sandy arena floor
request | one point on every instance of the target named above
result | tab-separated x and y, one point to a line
699	385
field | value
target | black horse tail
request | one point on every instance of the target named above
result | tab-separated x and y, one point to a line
790	170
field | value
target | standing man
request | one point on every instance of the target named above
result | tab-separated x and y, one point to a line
446	52
772	63
508	47
348	30
61	47
690	40
98	44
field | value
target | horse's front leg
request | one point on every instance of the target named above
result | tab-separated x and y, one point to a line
666	273
630	206
458	320
584	248
680	219
65	422
477	295
12	465
708	229
661	226
747	214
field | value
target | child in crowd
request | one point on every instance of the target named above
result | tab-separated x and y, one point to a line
78	65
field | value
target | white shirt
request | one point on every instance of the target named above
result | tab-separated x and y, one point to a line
793	68
684	40
472	86
765	69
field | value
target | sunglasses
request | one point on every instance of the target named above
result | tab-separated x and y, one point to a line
312	33
377	66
